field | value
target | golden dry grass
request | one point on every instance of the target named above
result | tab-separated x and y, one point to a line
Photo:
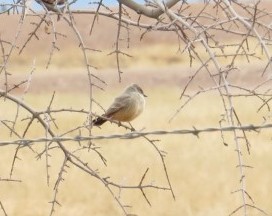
202	170
153	55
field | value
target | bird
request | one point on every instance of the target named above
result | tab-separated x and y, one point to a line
126	107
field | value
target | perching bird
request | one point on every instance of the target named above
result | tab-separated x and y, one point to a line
125	107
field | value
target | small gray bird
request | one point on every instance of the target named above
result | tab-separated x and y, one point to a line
125	107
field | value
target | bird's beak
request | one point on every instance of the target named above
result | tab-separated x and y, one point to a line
145	95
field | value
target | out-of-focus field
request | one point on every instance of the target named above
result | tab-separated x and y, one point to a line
202	169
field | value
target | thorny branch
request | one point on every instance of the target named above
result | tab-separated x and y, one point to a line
3	209
197	31
73	159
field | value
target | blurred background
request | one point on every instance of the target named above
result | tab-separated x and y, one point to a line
202	169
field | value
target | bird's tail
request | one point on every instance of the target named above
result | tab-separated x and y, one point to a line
99	121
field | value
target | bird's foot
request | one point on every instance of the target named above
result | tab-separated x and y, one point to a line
131	127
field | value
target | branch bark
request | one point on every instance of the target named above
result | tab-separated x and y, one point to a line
149	12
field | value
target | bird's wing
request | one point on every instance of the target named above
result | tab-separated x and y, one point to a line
118	104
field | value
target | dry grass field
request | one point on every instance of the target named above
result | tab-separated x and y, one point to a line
202	169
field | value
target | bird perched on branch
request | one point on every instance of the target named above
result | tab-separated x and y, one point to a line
125	107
